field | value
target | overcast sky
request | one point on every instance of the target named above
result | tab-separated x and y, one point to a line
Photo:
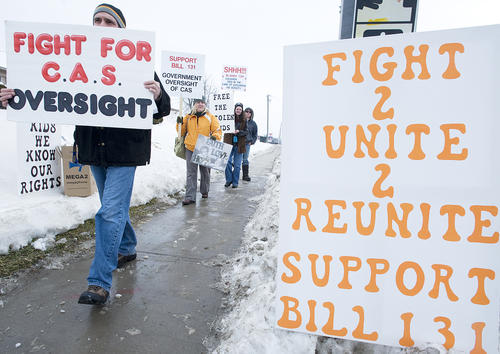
248	33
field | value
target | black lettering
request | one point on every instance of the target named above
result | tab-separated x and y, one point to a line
143	103
21	100
81	106
34	101
49	102
107	105
122	107
64	101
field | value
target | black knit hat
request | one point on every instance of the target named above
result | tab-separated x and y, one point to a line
196	100
113	11
239	104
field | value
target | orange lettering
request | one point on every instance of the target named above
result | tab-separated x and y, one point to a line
330	227
449	338
478	330
418	129
451	48
374	271
359	225
357	77
480	297
392	216
406	340
421	59
311	326
295	277
344	284
285	320
303	212
424	232
452	210
361	138
328	327
377	187
335	154
419	284
377	111
389	66
358	333
442	278
391	152
316	280
330	81
446	154
477	234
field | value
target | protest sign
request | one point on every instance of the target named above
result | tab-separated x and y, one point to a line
234	78
80	75
389	192
222	106
38	167
211	153
183	73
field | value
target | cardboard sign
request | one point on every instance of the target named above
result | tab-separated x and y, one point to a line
381	17
39	167
222	106
389	227
234	78
183	73
80	75
211	153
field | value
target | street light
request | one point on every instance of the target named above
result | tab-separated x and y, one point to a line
268	100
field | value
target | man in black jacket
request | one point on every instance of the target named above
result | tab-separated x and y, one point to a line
251	139
113	154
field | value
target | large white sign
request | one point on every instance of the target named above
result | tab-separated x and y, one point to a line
183	73
222	106
389	228
234	78
211	153
39	164
81	75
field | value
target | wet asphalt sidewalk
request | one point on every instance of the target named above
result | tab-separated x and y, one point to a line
164	302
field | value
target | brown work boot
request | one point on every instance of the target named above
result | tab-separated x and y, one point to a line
122	259
95	295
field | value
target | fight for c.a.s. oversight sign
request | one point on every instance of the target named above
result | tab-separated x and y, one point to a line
81	75
389	228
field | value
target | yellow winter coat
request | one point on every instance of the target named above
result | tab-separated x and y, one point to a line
206	125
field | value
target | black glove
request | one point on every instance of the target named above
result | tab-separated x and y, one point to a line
179	119
372	4
213	137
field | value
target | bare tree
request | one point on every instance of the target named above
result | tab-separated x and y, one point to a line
208	89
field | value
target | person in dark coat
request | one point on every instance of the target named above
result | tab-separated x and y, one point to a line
113	155
238	140
250	140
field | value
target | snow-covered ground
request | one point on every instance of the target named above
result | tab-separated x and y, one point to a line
42	216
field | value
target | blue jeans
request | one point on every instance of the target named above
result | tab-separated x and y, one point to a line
113	231
233	166
245	155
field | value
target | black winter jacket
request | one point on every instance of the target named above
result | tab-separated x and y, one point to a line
118	146
252	132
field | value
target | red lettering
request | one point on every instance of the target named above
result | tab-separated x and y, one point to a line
119	49
78	74
58	45
78	39
106	46
144	51
43	44
18	41
45	71
109	78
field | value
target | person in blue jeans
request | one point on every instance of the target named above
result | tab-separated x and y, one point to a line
238	140
250	140
113	155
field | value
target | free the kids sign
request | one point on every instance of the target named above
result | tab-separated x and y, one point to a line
389	229
80	75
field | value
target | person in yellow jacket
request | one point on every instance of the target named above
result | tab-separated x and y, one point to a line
199	121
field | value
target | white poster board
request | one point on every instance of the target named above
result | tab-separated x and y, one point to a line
389	224
222	106
39	164
183	73
83	75
234	78
211	153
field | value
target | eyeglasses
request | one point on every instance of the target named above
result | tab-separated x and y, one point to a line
248	112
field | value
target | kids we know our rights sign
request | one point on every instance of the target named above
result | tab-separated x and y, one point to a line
389	228
82	75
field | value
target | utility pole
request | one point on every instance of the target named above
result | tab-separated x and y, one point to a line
268	100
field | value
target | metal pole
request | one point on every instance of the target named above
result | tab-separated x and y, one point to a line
347	18
268	99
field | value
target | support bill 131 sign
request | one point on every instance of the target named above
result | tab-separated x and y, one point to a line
389	198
